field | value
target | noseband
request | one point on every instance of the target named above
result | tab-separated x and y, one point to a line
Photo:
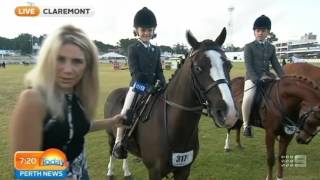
304	118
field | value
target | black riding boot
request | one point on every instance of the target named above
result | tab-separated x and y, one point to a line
120	148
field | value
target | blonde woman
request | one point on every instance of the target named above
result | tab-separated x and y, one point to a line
57	108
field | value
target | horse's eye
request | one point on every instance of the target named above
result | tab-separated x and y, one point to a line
198	69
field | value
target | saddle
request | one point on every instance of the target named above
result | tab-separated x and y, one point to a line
139	113
142	108
259	103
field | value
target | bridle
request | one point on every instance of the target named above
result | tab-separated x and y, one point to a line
303	119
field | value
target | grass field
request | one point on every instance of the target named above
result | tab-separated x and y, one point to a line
212	162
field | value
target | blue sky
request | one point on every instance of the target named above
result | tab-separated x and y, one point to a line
112	19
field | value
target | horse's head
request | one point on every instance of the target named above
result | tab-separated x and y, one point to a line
210	73
309	124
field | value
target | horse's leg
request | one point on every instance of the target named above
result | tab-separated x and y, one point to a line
238	138
270	138
126	171
182	174
283	144
110	173
154	173
227	146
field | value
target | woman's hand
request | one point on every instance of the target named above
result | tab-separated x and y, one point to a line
118	120
115	121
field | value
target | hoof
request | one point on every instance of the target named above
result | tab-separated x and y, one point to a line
227	150
111	177
128	177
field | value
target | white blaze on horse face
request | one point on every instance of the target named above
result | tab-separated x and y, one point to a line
216	73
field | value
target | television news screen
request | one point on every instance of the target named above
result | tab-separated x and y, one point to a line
238	97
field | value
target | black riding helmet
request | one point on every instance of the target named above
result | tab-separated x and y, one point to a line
262	22
145	18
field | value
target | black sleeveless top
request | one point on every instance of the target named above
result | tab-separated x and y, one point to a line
68	134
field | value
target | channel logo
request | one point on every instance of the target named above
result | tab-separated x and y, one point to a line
27	11
294	161
48	164
54	11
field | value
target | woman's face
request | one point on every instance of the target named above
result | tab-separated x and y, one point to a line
71	65
145	34
261	34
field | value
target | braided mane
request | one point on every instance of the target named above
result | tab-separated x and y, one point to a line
304	80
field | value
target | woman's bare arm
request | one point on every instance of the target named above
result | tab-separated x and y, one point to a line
26	123
103	124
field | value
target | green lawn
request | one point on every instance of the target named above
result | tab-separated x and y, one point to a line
211	164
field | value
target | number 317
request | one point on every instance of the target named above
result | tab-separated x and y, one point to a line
181	158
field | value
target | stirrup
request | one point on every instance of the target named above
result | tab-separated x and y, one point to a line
119	151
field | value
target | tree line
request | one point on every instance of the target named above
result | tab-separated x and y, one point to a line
24	42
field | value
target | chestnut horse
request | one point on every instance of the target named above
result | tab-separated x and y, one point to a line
305	69
168	141
290	105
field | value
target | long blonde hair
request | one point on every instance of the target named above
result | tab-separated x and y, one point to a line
42	76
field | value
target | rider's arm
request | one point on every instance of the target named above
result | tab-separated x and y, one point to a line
135	71
159	71
275	63
26	123
248	61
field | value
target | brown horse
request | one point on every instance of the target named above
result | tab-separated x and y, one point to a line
290	105
168	141
305	69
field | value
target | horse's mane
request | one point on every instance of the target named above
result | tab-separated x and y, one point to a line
304	80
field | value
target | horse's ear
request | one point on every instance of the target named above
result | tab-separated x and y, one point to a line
222	37
192	40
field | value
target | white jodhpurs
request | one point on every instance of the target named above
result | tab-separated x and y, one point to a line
248	96
126	106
